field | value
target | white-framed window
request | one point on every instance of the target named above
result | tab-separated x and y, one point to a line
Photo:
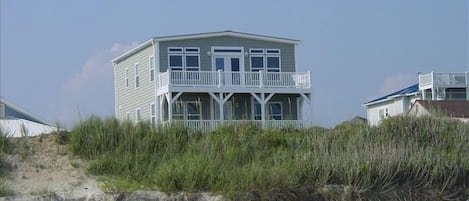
187	110
274	111
184	58
137	77
127	77
151	64
265	59
383	113
138	116
153	114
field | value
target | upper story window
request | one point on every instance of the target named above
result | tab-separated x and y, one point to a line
265	59
455	94
187	58
127	77
137	77
151	64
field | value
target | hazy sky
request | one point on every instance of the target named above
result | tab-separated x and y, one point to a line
55	55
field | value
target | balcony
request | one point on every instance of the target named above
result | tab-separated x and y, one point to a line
220	79
433	79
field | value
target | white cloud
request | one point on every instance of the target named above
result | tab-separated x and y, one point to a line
397	82
91	90
98	66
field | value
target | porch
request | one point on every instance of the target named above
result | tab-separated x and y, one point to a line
434	80
211	125
233	79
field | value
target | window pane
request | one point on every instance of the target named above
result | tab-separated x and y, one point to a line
178	108
152	75
220	64
273	62
235	64
192	108
192	61
175	61
257	62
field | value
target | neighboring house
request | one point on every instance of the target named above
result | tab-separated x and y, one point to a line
431	86
454	109
203	80
17	122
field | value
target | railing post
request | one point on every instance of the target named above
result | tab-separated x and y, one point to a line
169	76
219	78
309	79
261	78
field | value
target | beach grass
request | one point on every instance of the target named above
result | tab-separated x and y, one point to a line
421	154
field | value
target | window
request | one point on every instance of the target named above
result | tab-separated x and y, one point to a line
138	117
127	116
137	77
274	111
151	65
153	114
127	77
184	58
268	59
456	93
187	110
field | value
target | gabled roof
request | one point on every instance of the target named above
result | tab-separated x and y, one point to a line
23	111
228	33
449	108
206	35
406	91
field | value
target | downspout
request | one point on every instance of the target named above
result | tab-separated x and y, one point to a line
156	84
114	65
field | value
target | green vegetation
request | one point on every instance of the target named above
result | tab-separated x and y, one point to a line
419	154
4	148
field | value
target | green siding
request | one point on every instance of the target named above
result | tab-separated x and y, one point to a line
287	51
131	98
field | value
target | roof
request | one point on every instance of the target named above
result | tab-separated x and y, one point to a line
23	111
406	91
206	35
449	108
14	127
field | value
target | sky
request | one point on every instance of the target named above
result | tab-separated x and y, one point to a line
55	56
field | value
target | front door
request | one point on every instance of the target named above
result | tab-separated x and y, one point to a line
230	65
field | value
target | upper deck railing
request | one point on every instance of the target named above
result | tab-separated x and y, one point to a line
443	79
235	79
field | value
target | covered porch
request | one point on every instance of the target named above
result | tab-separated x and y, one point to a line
207	111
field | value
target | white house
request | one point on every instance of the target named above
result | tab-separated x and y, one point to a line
207	79
17	122
431	86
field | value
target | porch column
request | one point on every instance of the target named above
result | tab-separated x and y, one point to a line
170	106
433	93
262	101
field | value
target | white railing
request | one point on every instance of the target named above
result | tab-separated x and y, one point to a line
210	125
242	79
443	79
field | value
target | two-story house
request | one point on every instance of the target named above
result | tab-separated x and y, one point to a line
432	87
204	80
